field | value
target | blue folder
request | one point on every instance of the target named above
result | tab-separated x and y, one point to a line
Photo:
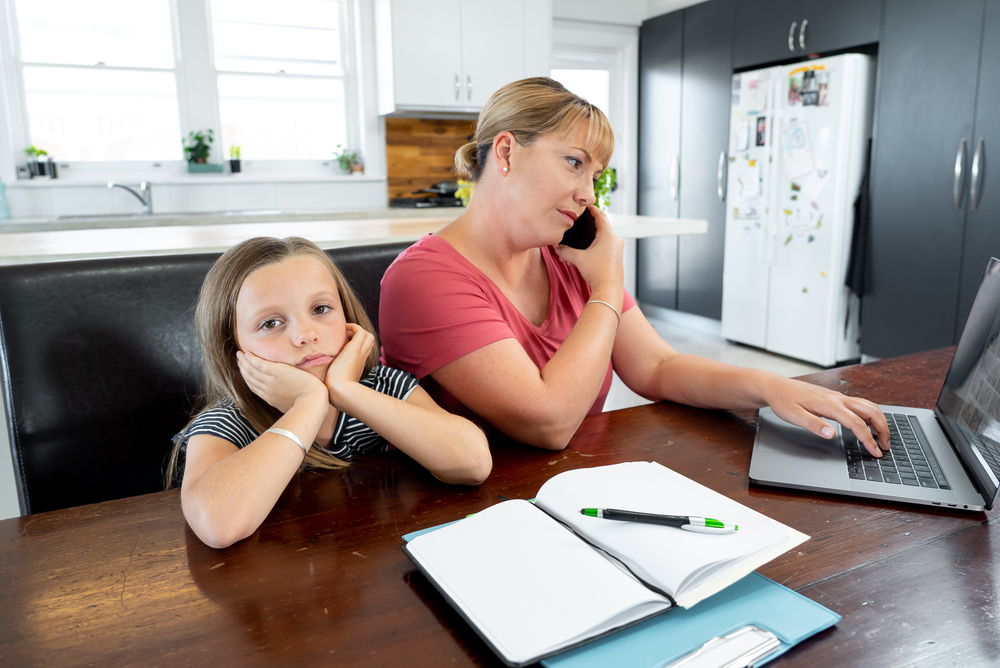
658	641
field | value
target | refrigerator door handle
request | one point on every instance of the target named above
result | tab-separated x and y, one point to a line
458	88
721	177
675	168
959	167
974	190
802	33
791	36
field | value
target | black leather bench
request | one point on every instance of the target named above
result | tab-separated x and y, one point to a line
101	367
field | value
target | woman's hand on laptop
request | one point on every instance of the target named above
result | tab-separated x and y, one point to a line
805	405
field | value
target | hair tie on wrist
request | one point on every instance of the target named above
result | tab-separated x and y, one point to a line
289	435
617	314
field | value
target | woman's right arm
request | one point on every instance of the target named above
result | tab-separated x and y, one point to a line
227	492
544	407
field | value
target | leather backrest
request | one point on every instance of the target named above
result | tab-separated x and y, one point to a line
101	367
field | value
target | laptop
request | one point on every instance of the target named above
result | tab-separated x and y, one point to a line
947	457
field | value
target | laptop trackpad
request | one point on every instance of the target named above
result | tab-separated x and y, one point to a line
776	435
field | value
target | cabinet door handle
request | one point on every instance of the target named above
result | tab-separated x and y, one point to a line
458	88
974	190
791	36
959	167
720	177
468	82
675	168
802	33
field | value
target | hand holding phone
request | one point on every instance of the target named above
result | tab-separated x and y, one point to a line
582	234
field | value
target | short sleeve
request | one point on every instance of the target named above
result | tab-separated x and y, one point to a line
433	310
223	421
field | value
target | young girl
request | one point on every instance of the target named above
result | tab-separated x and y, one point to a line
291	380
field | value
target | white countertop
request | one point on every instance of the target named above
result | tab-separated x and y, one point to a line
46	241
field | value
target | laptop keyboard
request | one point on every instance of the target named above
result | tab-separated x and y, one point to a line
908	462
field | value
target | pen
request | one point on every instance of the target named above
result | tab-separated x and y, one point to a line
696	524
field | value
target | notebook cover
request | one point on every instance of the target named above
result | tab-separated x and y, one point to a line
656	642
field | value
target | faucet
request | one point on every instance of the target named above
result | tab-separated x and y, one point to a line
144	194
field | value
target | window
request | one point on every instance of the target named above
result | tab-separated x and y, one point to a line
99	79
281	77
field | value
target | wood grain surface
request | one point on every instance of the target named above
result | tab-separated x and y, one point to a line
324	581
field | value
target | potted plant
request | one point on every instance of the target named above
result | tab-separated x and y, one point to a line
197	147
349	161
36	166
234	159
606	183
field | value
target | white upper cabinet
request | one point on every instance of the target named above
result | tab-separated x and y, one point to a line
451	55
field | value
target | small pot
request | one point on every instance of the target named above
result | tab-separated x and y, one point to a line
234	166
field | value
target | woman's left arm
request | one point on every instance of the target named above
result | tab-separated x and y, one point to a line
651	368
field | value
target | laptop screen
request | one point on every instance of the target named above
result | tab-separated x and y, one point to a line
969	404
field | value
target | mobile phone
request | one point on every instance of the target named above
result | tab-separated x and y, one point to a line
582	234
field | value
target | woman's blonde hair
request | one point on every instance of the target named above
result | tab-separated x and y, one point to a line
215	322
528	109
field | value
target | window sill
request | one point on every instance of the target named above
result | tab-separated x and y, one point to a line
194	179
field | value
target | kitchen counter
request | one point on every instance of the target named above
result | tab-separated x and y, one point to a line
26	241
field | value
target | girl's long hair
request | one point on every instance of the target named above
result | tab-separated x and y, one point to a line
215	322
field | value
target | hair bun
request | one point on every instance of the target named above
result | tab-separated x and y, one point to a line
467	161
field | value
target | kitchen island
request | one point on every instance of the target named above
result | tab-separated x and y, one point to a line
30	241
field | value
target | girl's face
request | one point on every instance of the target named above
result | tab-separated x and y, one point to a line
290	312
553	182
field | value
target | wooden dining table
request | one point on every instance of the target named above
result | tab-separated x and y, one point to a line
324	581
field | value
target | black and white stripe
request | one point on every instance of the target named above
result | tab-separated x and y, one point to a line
222	421
350	438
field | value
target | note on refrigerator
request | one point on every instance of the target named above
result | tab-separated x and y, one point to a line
815	184
797	154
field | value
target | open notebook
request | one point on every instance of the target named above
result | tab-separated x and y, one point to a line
536	579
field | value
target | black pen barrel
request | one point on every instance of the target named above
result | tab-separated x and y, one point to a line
646	518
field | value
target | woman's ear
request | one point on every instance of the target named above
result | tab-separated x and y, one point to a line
503	146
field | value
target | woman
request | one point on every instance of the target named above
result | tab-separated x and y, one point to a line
494	317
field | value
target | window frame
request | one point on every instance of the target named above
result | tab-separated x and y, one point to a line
196	81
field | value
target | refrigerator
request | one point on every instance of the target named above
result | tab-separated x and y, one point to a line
798	142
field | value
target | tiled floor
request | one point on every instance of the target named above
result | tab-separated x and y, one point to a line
714	347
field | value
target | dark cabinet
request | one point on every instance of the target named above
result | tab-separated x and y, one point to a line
660	44
706	83
982	226
769	31
685	79
929	59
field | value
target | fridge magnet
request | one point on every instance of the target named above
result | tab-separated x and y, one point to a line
762	131
795	147
742	134
796	187
808	90
794	87
815	184
756	94
822	88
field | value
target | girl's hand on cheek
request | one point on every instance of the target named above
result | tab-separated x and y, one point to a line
349	365
280	385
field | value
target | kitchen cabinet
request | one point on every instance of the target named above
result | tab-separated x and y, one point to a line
450	55
705	107
929	62
683	274
660	42
768	31
982	226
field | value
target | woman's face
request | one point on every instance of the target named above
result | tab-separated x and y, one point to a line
290	312
552	182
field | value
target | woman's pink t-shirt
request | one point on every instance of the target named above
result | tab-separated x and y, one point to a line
436	306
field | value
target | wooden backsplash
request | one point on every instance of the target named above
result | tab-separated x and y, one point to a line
421	152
